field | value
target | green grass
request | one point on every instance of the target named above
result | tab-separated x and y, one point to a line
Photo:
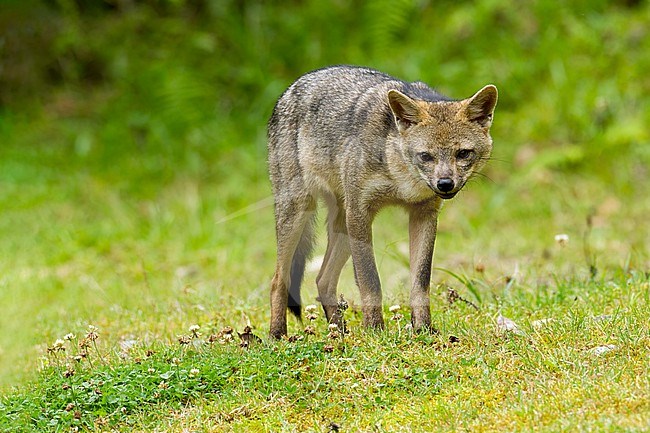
144	269
548	379
137	201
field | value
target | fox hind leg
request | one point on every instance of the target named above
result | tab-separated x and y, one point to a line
298	263
336	255
294	220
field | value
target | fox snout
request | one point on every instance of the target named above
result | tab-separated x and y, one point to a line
445	184
445	187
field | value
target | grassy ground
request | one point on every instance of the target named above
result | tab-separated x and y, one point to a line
542	378
132	202
145	263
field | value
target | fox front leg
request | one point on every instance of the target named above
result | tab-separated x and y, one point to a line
359	223
422	237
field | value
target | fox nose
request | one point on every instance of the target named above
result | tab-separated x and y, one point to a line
445	184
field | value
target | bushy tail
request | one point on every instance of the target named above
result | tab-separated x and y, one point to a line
298	263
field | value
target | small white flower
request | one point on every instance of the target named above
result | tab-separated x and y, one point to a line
59	345
601	350
562	239
394	308
333	327
508	325
194	329
69	336
194	372
311	308
92	333
537	324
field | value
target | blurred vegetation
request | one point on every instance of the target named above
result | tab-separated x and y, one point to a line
166	85
128	127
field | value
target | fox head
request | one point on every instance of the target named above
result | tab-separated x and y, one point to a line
444	142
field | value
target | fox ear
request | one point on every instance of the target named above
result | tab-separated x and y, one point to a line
480	107
405	110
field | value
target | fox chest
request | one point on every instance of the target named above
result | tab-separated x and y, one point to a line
400	191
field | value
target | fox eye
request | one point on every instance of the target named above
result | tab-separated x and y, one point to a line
425	157
464	154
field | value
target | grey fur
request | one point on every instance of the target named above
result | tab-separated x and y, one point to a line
363	140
